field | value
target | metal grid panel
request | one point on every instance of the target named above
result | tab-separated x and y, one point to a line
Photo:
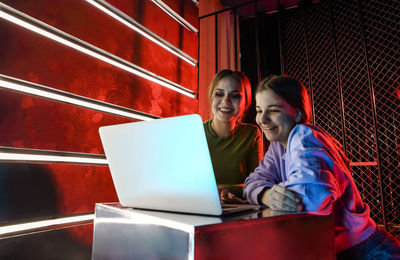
294	48
364	54
326	96
353	68
358	109
382	31
367	183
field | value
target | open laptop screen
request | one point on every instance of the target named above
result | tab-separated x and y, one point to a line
162	164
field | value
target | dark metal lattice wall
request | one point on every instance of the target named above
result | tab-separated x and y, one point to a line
347	53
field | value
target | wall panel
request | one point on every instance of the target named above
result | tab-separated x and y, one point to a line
83	20
357	101
354	80
29	56
294	48
353	49
325	85
40	123
46	190
56	244
37	191
382	37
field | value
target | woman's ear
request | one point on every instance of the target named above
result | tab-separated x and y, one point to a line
298	117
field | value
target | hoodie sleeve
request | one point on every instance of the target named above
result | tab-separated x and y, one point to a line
265	175
311	170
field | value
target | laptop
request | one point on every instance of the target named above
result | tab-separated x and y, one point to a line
164	164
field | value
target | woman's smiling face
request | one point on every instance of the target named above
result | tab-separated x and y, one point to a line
227	100
275	116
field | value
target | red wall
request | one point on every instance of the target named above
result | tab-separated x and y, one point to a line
32	122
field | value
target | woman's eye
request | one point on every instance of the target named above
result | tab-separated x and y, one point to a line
258	111
219	94
236	96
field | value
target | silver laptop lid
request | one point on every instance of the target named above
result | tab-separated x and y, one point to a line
162	164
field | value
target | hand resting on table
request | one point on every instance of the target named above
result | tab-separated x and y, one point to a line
282	199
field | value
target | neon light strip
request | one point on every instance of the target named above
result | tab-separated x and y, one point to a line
271	12
51	93
6	156
363	163
291	7
128	21
174	15
46	30
44	223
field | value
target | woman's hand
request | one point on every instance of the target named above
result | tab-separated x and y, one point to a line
282	199
227	197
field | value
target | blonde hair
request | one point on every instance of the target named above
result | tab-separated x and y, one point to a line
244	83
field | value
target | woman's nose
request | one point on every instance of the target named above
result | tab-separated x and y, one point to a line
226	99
264	118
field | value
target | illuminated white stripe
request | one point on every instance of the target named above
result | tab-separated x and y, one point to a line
128	21
6	156
174	15
26	88
44	223
69	40
363	163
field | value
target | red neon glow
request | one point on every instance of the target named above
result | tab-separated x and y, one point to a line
38	123
271	12
291	7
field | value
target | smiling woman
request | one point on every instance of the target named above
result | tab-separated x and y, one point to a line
305	170
235	147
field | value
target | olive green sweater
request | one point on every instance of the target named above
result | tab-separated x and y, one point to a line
234	157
